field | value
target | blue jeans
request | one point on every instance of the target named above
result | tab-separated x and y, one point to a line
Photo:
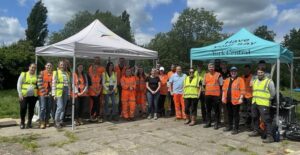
45	107
61	106
114	110
152	102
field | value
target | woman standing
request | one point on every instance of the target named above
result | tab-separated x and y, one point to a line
141	91
109	82
153	86
163	91
81	93
94	92
60	90
27	90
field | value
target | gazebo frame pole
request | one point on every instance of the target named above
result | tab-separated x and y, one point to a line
191	63
73	91
277	91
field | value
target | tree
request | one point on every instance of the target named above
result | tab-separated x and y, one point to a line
263	32
292	41
118	25
194	28
37	29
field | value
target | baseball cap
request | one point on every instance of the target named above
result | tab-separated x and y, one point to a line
161	68
233	68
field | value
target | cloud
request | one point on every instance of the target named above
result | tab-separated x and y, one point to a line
291	16
175	17
142	38
10	30
238	13
22	2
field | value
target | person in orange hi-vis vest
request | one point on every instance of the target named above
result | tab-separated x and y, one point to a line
141	91
100	69
81	93
44	92
128	83
212	83
233	94
246	106
170	96
120	69
176	82
94	93
163	91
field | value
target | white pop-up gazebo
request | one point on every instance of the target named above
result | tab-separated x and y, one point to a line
95	40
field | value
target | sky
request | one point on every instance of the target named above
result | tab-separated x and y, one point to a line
149	17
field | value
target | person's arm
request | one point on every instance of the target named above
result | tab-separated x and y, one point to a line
159	85
86	84
147	85
243	90
103	81
116	83
54	83
40	83
19	86
272	89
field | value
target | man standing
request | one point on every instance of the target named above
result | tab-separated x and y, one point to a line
128	83
120	69
170	96
213	82
191	94
200	72
225	73
246	107
233	94
263	93
176	83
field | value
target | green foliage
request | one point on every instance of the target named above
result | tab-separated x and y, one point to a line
263	32
71	139
15	59
27	141
194	28
9	107
37	29
118	24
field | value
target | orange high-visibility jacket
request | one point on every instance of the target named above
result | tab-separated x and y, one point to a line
248	87
163	84
100	70
95	86
237	89
80	84
140	84
120	73
44	83
212	86
127	82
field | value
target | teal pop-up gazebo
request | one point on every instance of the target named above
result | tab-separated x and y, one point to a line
245	48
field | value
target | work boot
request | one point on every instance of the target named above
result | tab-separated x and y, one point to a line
80	121
269	139
228	128
22	125
29	125
187	120
150	116
155	116
207	125
235	131
42	125
193	122
77	122
216	126
254	134
47	123
100	120
115	118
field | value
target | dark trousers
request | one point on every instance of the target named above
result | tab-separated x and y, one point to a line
203	106
161	105
191	105
27	103
95	106
120	100
152	102
246	108
172	104
212	102
262	112
233	115
80	102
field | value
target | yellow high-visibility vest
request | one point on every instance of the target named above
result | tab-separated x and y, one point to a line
191	88
261	93
28	81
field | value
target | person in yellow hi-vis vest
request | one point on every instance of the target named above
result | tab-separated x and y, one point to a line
191	93
263	93
61	85
27	90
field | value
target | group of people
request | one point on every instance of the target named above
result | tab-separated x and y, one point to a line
217	89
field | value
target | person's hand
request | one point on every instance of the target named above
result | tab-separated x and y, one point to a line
240	101
223	100
21	98
171	93
130	88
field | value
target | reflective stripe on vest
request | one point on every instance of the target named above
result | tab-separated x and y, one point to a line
261	93
191	88
27	82
59	85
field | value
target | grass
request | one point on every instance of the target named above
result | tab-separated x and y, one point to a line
9	104
71	139
230	148
27	141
